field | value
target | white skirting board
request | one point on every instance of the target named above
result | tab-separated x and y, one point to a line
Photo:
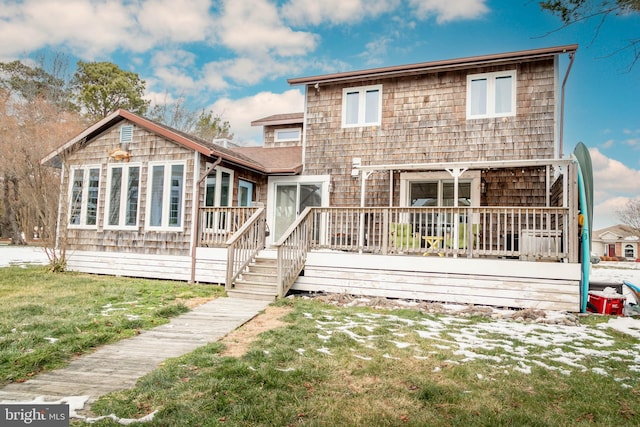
210	265
505	283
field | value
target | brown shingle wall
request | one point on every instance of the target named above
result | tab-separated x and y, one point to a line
424	121
145	147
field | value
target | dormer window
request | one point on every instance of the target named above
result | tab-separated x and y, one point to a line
491	95
362	106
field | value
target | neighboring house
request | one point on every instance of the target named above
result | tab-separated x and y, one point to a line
616	241
458	159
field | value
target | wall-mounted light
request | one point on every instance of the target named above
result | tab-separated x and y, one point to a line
355	166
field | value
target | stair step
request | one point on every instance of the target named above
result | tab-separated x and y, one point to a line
263	269
237	293
259	277
257	286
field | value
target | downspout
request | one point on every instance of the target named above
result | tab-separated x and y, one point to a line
564	83
196	232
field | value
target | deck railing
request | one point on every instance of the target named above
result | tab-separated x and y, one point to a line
292	250
517	232
218	224
244	245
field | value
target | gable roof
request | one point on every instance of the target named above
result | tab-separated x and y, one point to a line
615	232
202	146
435	66
280	119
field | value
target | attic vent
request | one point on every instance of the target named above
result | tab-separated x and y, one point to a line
126	134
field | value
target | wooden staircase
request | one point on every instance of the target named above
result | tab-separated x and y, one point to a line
259	280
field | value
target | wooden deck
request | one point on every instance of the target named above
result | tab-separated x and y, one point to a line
118	366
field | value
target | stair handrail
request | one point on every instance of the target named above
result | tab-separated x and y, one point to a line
244	245
292	250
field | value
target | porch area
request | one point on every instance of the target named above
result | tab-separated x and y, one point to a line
503	256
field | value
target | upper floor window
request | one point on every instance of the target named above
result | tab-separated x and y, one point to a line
165	199
362	106
84	186
291	134
491	95
121	207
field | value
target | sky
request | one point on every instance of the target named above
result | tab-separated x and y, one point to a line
233	57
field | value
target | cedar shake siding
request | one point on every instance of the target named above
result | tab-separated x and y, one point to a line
424	120
145	147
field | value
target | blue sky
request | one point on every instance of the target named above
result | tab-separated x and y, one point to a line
234	56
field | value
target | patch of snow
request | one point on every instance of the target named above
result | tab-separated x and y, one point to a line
627	325
22	255
325	350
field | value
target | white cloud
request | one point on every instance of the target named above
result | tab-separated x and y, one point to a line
316	12
241	112
254	26
449	10
176	20
614	184
90	28
607	144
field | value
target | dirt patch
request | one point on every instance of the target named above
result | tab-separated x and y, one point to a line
237	343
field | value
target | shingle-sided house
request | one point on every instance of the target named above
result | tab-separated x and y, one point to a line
441	181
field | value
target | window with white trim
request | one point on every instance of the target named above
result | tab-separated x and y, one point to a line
629	252
165	198
122	201
83	196
362	106
287	134
491	95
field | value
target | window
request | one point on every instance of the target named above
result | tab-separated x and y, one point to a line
123	186
166	196
219	189
245	193
628	251
292	134
361	106
491	95
439	193
85	183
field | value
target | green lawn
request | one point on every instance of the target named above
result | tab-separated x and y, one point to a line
329	366
48	318
338	366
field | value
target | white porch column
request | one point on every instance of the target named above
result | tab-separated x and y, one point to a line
363	181
456	173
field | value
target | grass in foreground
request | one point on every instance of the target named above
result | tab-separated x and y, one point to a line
46	318
361	367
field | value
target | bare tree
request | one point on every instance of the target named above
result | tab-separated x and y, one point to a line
35	118
575	11
203	124
630	215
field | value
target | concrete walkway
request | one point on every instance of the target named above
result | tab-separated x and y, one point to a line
118	366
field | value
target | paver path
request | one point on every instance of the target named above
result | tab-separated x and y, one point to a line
118	366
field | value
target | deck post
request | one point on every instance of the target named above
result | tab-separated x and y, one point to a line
363	180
